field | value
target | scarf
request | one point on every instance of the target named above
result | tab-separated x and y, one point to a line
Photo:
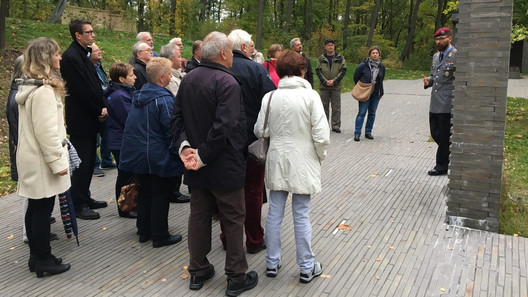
374	69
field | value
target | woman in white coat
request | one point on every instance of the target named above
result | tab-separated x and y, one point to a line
42	156
299	134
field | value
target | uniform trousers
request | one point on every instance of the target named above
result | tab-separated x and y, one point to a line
440	125
231	215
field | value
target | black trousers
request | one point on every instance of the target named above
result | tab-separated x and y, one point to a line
82	176
440	125
123	177
38	226
153	205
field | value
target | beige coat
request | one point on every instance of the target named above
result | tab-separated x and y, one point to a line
299	135
175	81
40	154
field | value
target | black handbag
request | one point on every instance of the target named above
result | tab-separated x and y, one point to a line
258	149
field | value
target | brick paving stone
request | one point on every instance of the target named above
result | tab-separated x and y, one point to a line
379	187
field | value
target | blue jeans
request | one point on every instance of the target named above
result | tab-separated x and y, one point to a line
301	226
370	105
102	142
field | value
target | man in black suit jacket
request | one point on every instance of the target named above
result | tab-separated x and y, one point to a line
209	126
296	45
85	111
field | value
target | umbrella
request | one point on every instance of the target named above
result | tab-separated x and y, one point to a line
68	215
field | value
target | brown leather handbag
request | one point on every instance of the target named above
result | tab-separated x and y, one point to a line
362	91
128	197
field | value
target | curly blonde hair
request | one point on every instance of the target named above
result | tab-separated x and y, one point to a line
38	63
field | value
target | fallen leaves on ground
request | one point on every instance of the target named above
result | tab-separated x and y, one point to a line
184	275
344	227
11	236
325	275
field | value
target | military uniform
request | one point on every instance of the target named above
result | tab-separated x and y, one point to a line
441	81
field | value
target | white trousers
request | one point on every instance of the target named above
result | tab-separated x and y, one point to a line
302	228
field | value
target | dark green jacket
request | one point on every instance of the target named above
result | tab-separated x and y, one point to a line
325	72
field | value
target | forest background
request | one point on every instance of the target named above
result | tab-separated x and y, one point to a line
402	28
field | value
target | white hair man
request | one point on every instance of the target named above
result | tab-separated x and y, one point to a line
179	43
142	54
255	82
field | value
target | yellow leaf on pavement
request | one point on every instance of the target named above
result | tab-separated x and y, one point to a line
344	227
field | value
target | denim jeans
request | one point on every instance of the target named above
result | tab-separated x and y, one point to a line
301	225
370	105
102	143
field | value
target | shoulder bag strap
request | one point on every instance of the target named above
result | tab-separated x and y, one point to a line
267	111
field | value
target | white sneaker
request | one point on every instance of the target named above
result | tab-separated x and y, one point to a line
307	277
272	272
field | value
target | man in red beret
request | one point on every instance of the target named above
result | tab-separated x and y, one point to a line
441	80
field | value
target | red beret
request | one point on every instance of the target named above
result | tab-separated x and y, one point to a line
442	31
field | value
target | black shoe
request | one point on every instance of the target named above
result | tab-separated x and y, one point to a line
336	130
33	261
235	289
53	236
260	248
87	214
144	238
180	199
51	267
369	136
356	137
172	239
52	220
197	281
128	214
435	172
94	204
109	166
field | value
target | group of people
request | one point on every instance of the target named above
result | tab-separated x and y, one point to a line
167	117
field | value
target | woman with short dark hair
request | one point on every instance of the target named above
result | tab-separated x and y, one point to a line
299	134
274	52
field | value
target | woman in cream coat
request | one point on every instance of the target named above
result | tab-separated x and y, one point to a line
42	156
299	135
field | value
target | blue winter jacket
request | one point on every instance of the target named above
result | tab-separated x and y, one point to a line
147	146
119	98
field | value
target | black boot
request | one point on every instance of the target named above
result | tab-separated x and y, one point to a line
50	267
33	260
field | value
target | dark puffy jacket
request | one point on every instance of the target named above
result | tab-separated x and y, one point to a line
364	74
210	115
147	146
119	98
255	82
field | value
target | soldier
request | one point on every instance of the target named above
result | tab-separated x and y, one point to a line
441	80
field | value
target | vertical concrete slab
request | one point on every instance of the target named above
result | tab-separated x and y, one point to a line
482	38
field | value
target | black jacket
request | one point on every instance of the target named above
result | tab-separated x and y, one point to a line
208	112
255	83
140	70
364	74
12	120
309	73
84	98
192	64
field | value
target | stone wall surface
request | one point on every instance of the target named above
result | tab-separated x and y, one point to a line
99	18
482	31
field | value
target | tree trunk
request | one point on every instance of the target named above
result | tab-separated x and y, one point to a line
57	12
201	18
330	12
408	44
288	16
141	16
258	43
345	23
4	12
439	14
172	21
308	19
373	22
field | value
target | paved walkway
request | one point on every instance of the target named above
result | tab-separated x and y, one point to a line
398	244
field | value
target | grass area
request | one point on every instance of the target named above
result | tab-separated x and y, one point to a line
514	200
117	46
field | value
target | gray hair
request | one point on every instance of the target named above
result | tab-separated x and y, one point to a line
175	39
139	36
17	68
167	51
137	48
213	43
238	38
293	41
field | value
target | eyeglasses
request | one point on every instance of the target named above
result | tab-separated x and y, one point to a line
146	50
88	32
